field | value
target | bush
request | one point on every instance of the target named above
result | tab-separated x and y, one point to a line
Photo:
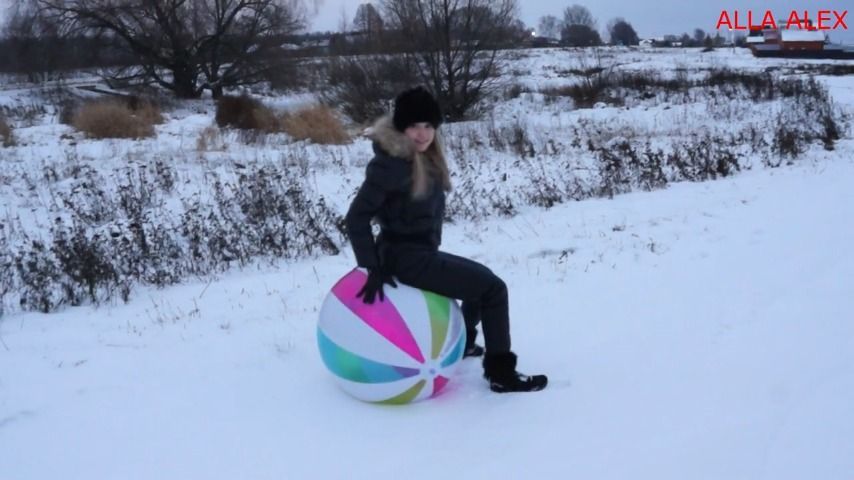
111	239
114	118
318	124
210	139
25	115
584	94
292	75
363	87
722	84
6	133
38	277
788	141
148	111
830	131
245	113
646	81
514	91
66	111
61	100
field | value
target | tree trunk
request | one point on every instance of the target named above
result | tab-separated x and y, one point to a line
184	81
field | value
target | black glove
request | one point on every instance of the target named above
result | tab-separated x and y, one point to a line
374	285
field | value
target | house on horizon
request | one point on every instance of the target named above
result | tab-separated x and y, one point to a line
780	41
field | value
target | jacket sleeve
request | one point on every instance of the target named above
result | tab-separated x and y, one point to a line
381	179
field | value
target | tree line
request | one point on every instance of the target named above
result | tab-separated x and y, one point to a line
189	47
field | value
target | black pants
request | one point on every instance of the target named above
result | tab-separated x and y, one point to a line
483	294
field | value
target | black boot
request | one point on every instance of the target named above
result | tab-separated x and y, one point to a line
500	370
472	349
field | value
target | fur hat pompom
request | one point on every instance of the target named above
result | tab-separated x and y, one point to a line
414	106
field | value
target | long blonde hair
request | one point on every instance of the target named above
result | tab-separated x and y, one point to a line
428	167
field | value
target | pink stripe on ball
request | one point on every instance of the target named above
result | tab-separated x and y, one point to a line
382	316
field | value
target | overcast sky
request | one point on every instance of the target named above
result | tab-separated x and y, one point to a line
650	18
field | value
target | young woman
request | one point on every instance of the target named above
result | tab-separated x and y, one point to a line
404	189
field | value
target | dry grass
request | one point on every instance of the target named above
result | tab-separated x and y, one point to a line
148	112
245	113
318	124
113	118
210	139
6	136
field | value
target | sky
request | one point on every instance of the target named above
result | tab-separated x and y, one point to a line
696	331
650	18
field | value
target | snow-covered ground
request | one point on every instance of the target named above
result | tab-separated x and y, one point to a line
703	331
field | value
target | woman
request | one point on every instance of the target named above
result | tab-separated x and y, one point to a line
404	189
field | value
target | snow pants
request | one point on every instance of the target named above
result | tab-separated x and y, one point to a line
483	294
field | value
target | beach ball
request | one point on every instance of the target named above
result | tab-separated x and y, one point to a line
403	349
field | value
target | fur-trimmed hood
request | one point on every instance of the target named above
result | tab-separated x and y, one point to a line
396	144
391	140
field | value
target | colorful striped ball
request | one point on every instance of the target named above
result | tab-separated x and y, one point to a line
396	351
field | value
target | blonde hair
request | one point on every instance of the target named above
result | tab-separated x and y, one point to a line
428	167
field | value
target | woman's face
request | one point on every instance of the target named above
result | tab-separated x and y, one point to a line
421	134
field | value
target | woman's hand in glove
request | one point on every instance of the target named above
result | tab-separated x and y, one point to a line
374	285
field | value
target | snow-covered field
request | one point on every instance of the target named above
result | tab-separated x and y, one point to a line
702	331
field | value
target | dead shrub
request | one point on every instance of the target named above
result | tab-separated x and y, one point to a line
114	118
67	109
584	94
146	110
514	91
317	123
62	100
788	141
210	139
292	75
245	113
6	133
361	87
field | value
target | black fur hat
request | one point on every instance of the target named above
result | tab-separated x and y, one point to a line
414	106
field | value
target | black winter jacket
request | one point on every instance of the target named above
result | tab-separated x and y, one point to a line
386	194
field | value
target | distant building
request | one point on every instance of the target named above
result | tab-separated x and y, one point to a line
666	41
802	39
319	43
797	43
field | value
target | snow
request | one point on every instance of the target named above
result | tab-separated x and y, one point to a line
702	331
802	35
709	335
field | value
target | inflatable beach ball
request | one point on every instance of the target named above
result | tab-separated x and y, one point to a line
401	350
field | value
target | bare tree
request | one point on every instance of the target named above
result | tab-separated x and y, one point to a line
580	36
578	15
361	86
579	27
549	26
343	17
370	25
699	36
621	32
454	45
367	19
32	43
187	46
